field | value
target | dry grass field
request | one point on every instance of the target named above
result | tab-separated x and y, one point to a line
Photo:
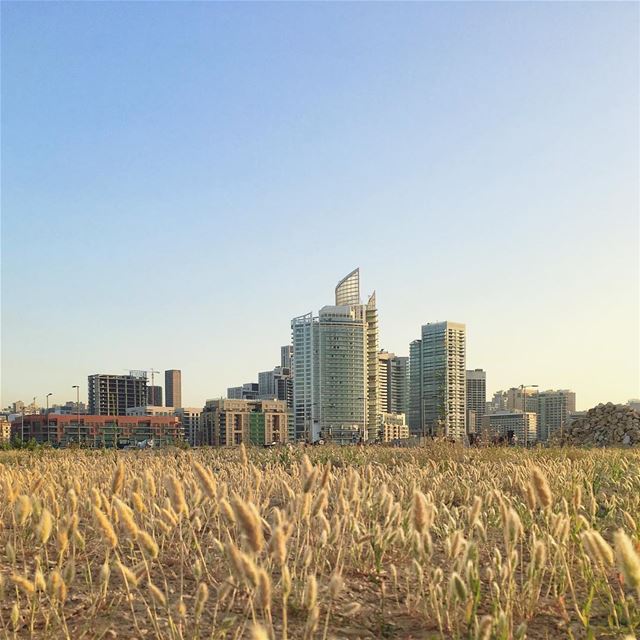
438	542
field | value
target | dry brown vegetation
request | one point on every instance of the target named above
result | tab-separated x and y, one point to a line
438	542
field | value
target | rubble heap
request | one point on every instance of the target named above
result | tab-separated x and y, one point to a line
605	425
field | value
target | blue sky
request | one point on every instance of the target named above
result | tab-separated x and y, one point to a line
180	179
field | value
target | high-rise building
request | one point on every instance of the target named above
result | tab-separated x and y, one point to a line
233	422
190	419
393	382
248	391
476	397
112	395
154	395
438	403
304	333
497	403
286	353
342	370
416	419
276	384
554	408
522	399
173	387
335	367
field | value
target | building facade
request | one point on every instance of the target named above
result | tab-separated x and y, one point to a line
114	394
286	354
99	430
154	395
304	333
248	391
335	368
190	419
554	408
476	383
276	384
233	422
440	399
514	426
415	417
5	430
173	387
150	410
393	383
394	427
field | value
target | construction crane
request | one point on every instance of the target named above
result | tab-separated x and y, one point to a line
153	372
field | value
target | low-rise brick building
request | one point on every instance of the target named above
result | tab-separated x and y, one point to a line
99	431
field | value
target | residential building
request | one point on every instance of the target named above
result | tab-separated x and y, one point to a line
497	403
112	395
276	384
233	422
100	430
248	391
439	406
515	426
393	382
154	395
522	399
286	353
150	410
190	419
335	367
416	419
394	427
473	422
306	423
173	387
554	408
342	369
476	383
5	430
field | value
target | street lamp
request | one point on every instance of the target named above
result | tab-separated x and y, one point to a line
77	388
48	432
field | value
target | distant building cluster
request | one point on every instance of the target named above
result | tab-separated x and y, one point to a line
333	384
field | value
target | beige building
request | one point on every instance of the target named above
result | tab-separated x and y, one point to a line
522	399
5	430
554	409
521	427
233	422
190	419
394	427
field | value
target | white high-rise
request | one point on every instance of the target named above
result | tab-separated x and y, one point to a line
438	381
335	368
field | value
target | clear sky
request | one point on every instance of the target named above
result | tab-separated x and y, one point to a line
179	180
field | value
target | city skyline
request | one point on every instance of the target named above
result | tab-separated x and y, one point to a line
495	163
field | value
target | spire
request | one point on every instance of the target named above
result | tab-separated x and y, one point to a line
348	289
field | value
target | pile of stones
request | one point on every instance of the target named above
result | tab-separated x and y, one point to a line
605	425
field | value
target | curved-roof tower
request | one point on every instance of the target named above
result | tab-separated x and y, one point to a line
348	289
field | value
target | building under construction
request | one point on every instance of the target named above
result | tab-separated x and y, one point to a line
112	395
